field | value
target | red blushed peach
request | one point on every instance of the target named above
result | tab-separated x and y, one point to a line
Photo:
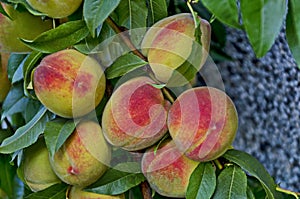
169	43
78	193
135	116
168	171
203	122
68	83
84	157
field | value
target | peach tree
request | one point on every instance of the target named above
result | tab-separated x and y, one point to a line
102	99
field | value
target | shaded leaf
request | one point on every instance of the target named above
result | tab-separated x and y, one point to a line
15	102
293	29
231	184
57	191
7	175
29	64
56	133
202	182
95	12
123	65
27	134
14	63
226	11
262	20
253	167
63	36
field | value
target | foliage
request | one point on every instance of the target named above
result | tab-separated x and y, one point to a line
23	118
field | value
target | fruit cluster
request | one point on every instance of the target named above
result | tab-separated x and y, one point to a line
173	136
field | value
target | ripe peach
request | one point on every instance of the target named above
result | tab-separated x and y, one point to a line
203	122
37	170
68	83
168	171
78	193
4	82
83	157
135	116
55	8
21	25
168	44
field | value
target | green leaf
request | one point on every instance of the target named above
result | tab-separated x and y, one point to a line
27	134
15	65
250	194
95	12
226	11
232	184
15	102
202	182
115	182
2	11
7	175
157	10
29	64
132	13
252	166
62	37
123	65
293	29
56	133
57	191
262	21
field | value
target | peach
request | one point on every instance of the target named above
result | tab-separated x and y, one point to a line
4	82
169	43
168	171
203	122
135	116
21	25
55	8
69	83
37	171
78	193
84	156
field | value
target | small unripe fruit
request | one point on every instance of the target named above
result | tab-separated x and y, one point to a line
167	170
78	193
37	170
84	156
56	8
69	83
203	122
4	82
135	116
21	25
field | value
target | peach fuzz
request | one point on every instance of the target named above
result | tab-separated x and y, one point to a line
168	171
203	122
84	156
69	83
135	116
78	193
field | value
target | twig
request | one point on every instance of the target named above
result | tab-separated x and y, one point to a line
146	190
125	38
295	194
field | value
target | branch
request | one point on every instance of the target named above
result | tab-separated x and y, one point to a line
146	190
